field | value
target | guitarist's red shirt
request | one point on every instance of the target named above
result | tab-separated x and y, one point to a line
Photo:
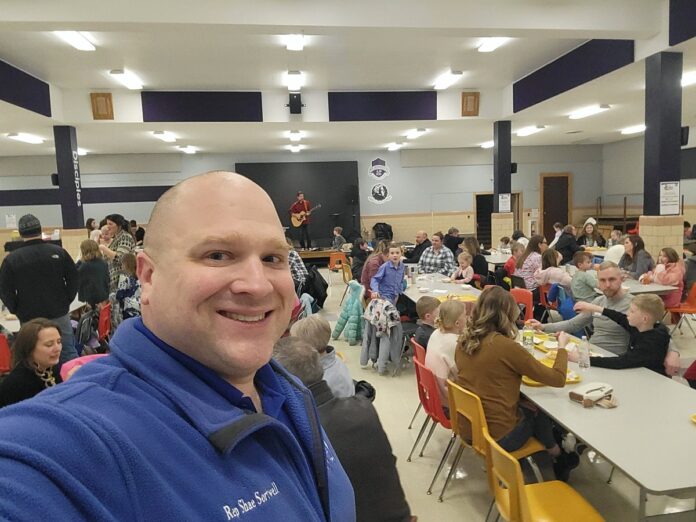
300	206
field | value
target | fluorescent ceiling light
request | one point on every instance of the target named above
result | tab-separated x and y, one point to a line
394	146
187	149
294	80
26	138
127	78
528	131
294	42
688	79
634	129
164	136
81	151
488	45
295	135
487	144
447	79
415	133
294	148
590	110
77	39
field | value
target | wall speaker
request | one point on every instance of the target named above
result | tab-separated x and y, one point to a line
684	136
295	103
54	180
513	168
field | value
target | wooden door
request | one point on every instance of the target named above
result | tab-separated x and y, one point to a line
555	202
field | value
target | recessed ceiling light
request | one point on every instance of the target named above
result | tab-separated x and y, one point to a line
295	135
26	138
573	132
81	151
394	146
294	148
415	133
187	149
688	78
447	79
590	110
487	144
490	44
164	136
528	131
294	80
294	42
633	129
77	39
127	78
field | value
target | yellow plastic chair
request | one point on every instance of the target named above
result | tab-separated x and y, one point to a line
467	404
553	501
347	277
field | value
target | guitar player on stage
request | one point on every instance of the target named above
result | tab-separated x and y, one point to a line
300	211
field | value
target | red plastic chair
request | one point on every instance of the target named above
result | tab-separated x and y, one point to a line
419	355
429	394
5	355
104	324
524	297
543	300
687	307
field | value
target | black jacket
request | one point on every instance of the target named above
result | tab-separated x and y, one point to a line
94	281
38	280
567	245
20	384
356	434
645	349
358	258
480	266
414	255
452	242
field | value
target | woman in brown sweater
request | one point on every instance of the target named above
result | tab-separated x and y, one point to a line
491	364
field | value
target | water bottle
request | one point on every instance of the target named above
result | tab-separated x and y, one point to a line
584	354
528	338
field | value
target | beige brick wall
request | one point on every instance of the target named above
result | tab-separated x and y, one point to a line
405	226
501	225
659	232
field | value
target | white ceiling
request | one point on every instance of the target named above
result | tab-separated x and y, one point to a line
215	45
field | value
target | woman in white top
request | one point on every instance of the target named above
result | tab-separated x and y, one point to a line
440	355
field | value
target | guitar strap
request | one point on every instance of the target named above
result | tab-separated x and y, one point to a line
305	205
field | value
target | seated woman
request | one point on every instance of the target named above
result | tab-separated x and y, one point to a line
490	363
478	262
442	343
590	236
669	271
550	272
648	337
35	352
530	262
636	261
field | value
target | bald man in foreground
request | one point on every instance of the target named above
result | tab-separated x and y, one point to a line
187	419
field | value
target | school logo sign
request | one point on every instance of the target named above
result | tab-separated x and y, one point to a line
379	169
379	194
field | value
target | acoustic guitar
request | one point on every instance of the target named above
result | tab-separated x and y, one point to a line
299	218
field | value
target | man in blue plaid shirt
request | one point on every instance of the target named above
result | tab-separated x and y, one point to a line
437	258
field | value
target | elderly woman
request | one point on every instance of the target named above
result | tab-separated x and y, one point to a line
35	352
122	243
636	261
491	364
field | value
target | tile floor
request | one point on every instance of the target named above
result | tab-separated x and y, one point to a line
467	497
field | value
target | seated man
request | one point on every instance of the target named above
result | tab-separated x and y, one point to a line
437	259
422	242
298	270
187	418
357	435
607	333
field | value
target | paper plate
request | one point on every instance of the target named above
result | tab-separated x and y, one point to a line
693	418
423	289
551	345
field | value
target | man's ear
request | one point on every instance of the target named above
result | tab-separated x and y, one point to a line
145	268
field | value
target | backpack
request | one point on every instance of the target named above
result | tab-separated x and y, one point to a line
316	286
383	231
86	327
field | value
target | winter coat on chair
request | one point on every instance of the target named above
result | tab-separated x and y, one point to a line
383	336
350	320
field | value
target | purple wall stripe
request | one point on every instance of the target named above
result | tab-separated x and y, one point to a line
682	21
24	90
12	198
382	106
589	61
201	106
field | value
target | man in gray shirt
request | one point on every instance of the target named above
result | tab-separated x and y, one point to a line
608	334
